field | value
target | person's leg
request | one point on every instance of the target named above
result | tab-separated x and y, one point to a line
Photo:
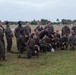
17	44
74	46
45	49
48	48
29	54
66	46
54	46
20	52
4	57
9	44
62	46
37	52
3	42
58	45
0	55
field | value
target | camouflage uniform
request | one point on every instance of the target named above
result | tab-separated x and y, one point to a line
9	35
2	50
39	28
42	34
72	41
32	50
57	42
17	34
65	30
64	43
53	41
27	31
22	43
2	46
74	28
50	29
45	44
3	36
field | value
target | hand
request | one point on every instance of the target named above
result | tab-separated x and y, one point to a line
63	43
55	43
50	45
36	45
38	48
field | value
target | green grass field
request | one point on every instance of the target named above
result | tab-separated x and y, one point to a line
58	63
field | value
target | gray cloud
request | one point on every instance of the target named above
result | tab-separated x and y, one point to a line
32	9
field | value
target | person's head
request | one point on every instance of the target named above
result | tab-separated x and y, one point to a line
0	23
33	36
49	23
19	23
7	24
65	25
27	24
57	31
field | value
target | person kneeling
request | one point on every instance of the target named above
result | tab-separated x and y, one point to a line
32	48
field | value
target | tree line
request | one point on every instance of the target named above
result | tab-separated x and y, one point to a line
44	22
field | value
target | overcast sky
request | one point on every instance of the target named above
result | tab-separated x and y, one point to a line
15	10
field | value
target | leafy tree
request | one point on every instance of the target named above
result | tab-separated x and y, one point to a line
44	21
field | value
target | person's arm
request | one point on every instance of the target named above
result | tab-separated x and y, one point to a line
16	33
11	33
30	30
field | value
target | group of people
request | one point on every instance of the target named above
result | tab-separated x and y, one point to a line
32	42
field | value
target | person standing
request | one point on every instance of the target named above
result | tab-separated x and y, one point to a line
3	32
39	27
9	35
2	46
65	30
27	29
17	32
50	28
